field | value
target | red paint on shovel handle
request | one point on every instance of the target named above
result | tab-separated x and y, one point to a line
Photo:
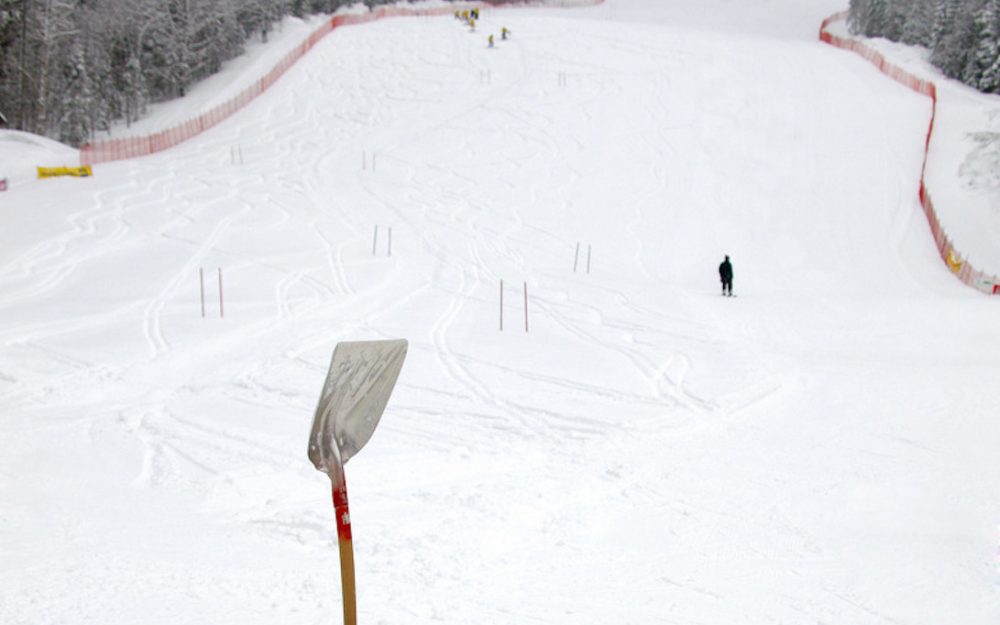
342	512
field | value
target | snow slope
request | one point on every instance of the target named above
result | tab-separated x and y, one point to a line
819	449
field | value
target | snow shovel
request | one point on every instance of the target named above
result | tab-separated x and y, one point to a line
357	388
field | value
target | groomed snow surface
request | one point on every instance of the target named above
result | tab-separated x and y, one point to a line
820	449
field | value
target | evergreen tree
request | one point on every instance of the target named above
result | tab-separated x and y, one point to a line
945	14
73	126
895	14
919	23
982	69
133	90
955	39
875	18
856	16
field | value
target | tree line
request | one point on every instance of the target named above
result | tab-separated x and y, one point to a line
71	68
963	36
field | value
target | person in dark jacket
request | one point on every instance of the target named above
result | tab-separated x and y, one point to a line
726	275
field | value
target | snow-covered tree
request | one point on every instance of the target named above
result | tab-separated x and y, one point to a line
75	104
51	38
919	23
983	64
954	38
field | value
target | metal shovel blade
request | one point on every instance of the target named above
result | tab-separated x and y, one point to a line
357	388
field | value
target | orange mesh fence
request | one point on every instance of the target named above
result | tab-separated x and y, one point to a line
955	260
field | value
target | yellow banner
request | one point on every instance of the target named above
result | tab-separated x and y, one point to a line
51	172
954	261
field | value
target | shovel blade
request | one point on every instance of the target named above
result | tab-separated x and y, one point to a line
357	388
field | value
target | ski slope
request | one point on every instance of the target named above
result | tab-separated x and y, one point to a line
821	448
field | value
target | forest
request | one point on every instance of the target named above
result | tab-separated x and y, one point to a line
961	35
71	68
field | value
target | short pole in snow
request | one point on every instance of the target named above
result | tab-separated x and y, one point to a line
588	259
576	258
375	241
501	305
525	306
221	315
373	161
201	278
389	253
364	160
240	150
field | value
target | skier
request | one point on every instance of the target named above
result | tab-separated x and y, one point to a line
726	275
503	33
491	41
475	14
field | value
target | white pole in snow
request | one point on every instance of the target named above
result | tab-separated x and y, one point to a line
390	241
375	241
576	258
221	315
588	259
501	305
525	306
201	277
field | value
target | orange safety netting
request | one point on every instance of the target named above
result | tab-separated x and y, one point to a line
955	260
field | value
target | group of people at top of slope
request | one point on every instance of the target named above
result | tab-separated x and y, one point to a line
470	17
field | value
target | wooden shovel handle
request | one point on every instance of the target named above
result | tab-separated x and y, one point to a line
346	550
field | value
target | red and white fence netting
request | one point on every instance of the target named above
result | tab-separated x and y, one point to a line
955	260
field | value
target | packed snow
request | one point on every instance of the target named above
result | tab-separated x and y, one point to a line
821	448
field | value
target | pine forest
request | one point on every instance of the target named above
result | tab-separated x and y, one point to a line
962	35
71	68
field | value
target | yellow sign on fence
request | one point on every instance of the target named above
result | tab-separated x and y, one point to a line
953	260
52	172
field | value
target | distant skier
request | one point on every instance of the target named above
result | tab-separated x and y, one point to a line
475	14
491	41
503	33
726	275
